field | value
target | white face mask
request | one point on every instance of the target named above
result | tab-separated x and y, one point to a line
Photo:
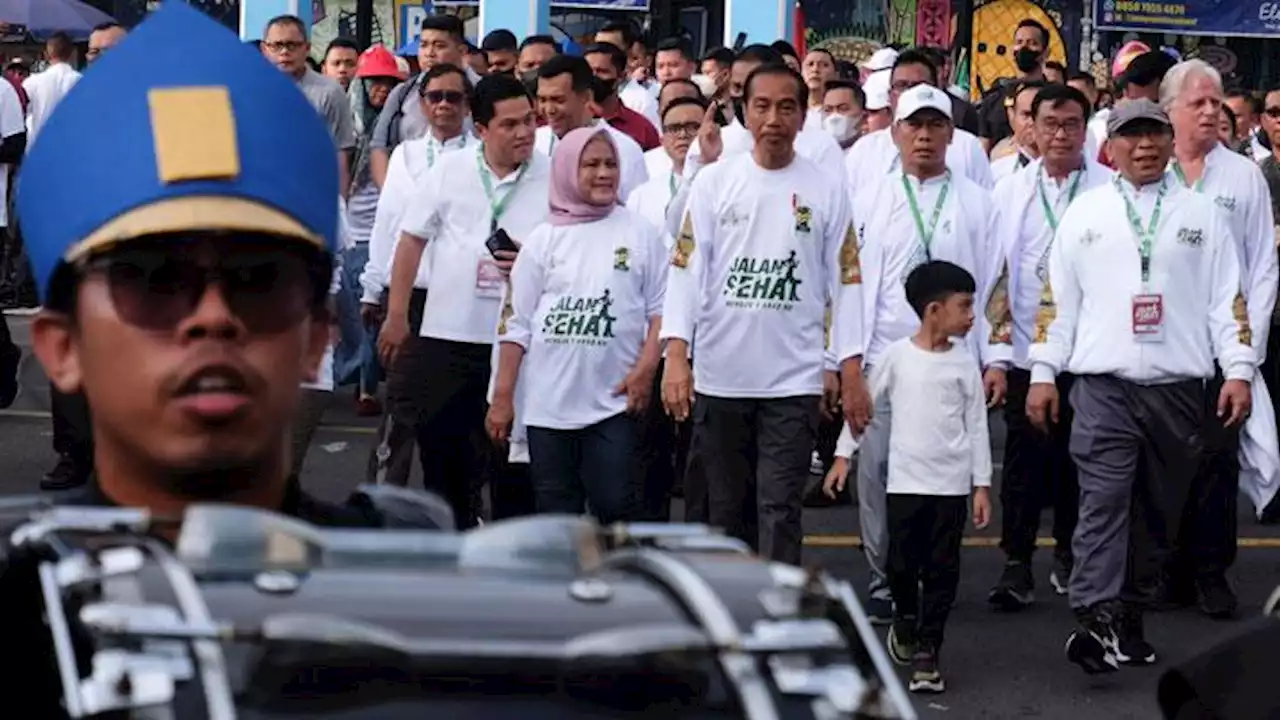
842	127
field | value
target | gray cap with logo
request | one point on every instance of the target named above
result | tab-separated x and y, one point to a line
1136	110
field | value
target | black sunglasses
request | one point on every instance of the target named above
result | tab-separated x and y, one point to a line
453	97
157	282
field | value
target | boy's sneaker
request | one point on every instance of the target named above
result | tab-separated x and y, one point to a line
1060	575
1131	646
1092	645
1016	588
880	610
900	641
925	677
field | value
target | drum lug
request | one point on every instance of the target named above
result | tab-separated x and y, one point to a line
125	681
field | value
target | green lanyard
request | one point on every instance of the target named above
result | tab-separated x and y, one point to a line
431	151
926	235
497	206
671	183
1146	239
1177	169
1044	198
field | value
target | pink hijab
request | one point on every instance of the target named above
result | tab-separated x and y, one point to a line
568	207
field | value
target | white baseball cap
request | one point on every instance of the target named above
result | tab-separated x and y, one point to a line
882	59
877	89
922	97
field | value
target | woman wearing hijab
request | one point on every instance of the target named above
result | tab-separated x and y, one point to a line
582	325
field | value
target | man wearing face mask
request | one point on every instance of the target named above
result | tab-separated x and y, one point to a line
843	107
608	63
1030	47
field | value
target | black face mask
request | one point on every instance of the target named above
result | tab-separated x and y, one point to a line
1026	59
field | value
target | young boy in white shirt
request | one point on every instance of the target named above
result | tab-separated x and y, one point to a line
939	452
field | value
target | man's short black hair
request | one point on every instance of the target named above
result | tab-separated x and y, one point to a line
777	69
60	46
699	102
288	20
859	94
1056	95
108	25
1055	65
677	44
1148	69
616	56
720	55
1013	90
1235	91
441	70
540	40
341	43
785	49
576	67
935	281
758	53
1044	32
916	57
502	40
451	24
630	35
491	90
1084	77
824	51
1231	118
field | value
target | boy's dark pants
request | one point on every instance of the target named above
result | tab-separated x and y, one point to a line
924	562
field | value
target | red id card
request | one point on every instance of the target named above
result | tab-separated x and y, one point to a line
1148	318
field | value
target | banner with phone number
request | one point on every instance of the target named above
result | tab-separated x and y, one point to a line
641	5
1235	18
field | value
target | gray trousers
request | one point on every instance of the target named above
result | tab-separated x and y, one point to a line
1137	449
755	455
873	479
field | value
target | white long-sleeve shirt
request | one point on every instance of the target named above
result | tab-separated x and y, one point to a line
892	247
1239	190
583	297
631	164
44	91
756	261
874	158
454	212
1085	323
938	438
816	145
408	165
1025	236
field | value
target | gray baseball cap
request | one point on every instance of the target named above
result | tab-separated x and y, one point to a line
1130	111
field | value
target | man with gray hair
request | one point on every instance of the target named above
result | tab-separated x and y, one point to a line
1192	95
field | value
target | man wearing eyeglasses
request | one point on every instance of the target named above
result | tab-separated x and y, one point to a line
285	44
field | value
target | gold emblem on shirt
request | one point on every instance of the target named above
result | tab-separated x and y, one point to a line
622	259
1046	313
507	311
803	215
826	326
1240	311
685	244
850	265
999	315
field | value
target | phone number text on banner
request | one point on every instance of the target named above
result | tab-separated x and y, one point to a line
1238	18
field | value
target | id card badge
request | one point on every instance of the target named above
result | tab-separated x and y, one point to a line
1148	318
488	280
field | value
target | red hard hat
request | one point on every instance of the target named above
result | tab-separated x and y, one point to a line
378	61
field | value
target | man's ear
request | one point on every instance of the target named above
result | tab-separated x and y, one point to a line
53	340
319	329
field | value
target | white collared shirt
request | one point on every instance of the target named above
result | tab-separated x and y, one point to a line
631	161
657	162
1009	165
453	211
1085	326
816	145
44	91
640	99
409	164
874	156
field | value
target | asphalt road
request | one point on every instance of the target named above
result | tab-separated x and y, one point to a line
997	666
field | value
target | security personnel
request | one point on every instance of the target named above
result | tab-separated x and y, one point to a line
183	276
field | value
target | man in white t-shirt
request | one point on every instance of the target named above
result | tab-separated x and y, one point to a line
46	89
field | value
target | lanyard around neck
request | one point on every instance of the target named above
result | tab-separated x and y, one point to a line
926	234
498	207
1049	213
1177	169
1146	238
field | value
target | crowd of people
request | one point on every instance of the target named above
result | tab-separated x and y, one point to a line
587	283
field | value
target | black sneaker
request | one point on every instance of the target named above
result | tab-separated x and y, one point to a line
925	677
880	610
1216	599
1091	646
67	474
900	641
1060	574
1131	646
1016	588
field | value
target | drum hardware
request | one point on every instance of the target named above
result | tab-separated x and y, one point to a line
590	590
277	582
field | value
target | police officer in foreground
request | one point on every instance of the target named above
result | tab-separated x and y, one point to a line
183	270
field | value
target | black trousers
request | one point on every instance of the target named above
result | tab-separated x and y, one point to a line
1205	545
662	452
924	562
755	456
510	487
72	431
592	466
1038	473
391	459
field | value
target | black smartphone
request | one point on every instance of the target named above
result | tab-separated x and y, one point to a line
739	42
721	119
500	240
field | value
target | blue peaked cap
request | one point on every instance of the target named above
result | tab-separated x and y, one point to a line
181	127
